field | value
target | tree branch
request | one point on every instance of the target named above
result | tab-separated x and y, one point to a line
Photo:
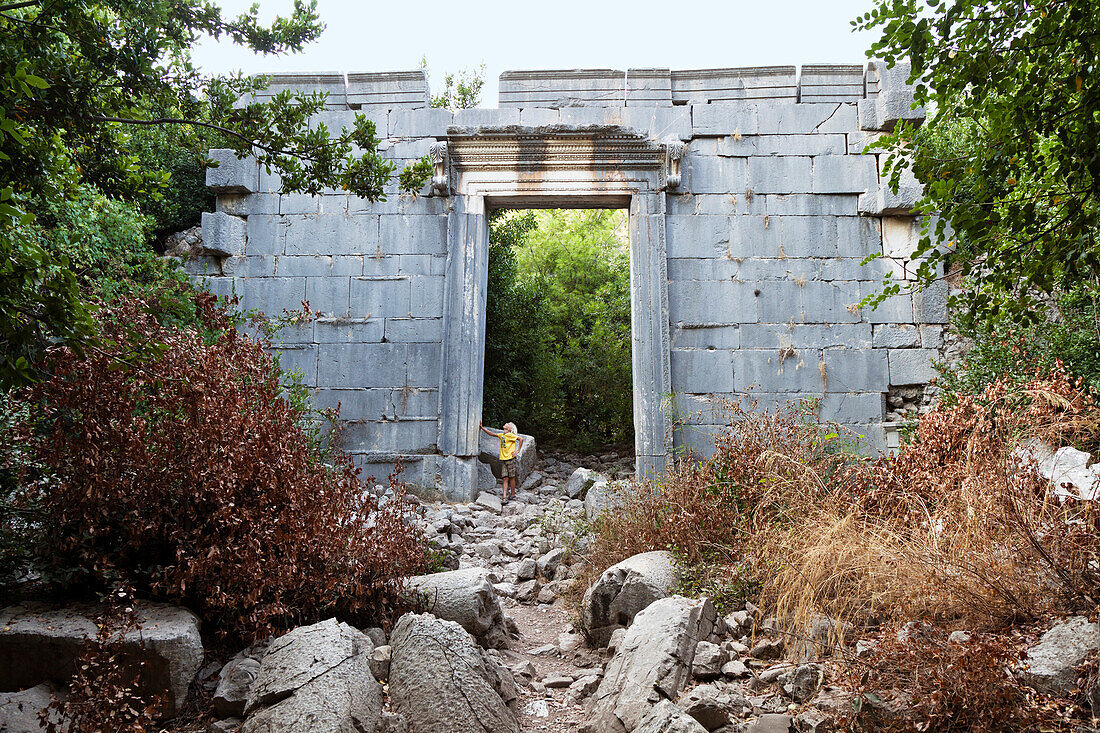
17	6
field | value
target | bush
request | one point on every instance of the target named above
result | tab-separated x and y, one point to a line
182	470
918	680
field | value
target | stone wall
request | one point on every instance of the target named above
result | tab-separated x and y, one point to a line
765	234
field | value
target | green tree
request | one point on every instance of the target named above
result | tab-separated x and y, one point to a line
77	76
558	335
461	90
1013	90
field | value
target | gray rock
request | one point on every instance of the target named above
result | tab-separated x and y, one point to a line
735	668
709	659
527	591
767	649
376	634
489	454
1049	665
623	590
38	645
664	717
488	501
393	723
234	683
548	563
19	711
466	597
442	682
801	683
557	681
315	679
653	663
527	569
770	723
580	481
605	495
226	725
712	706
380	662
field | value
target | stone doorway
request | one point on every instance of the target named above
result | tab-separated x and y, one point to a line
558	168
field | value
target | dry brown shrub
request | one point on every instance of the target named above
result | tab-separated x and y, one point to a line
183	471
918	680
957	528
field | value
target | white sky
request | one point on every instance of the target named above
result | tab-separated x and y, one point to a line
701	34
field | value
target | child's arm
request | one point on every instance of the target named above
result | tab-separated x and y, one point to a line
487	431
519	443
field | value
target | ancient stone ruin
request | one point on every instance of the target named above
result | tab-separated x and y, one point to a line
752	207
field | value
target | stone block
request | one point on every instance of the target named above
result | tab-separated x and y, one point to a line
701	302
806	236
223	235
233	175
696	236
341	330
894	309
830	83
426	297
754	236
855	370
592	116
705	337
375	297
707	86
705	173
300	358
306	266
478	117
409	234
426	122
539	116
414	330
345	365
858	236
769	145
265	233
331	83
779	302
659	123
716	120
912	366
896	336
808	204
424	361
329	234
801	336
329	295
844	174
830	302
931	337
853	407
250	266
699	439
563	88
777	118
777	371
787	174
701	269
270	294
390	436
247	204
702	370
930	305
648	88
388	90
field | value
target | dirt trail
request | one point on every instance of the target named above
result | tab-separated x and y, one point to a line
540	626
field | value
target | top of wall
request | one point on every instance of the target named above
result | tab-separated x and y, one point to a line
656	87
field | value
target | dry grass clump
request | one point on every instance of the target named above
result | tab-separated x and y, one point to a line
959	528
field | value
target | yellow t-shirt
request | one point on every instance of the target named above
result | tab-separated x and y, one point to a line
508	446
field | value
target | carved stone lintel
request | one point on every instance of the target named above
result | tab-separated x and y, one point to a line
438	153
674	155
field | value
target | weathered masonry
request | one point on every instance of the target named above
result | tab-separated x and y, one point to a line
751	208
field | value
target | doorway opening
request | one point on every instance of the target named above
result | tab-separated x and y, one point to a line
558	334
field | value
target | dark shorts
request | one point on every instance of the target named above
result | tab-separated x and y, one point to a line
508	468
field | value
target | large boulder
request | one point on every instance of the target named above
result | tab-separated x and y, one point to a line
1049	665
234	683
442	682
466	597
604	495
315	679
489	453
623	590
580	481
38	644
664	717
651	665
20	712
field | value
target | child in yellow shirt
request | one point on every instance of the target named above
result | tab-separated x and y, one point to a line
510	443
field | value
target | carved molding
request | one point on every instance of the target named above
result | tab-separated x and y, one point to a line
674	155
555	150
438	153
